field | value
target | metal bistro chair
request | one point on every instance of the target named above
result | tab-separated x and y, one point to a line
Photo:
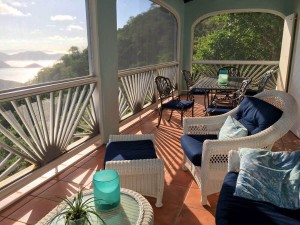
189	81
262	84
221	106
168	101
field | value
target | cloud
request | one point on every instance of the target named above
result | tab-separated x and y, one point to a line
18	4
62	17
74	27
6	9
66	38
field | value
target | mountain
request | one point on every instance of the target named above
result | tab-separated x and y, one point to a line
4	65
33	65
3	56
30	55
6	84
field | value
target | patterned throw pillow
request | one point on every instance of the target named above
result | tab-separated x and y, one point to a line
232	129
272	177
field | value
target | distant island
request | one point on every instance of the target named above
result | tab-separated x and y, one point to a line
4	65
30	55
33	65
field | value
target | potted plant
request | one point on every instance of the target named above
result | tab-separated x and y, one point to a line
77	210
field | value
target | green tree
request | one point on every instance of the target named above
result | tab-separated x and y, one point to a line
73	64
147	39
239	36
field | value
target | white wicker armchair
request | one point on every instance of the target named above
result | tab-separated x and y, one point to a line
145	176
214	164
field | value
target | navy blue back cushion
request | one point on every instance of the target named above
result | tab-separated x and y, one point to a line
129	150
257	115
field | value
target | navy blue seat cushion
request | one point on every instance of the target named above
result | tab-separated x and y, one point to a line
251	92
233	210
199	91
129	150
213	111
192	146
177	105
257	115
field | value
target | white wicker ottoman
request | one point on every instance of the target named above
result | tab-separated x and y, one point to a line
145	176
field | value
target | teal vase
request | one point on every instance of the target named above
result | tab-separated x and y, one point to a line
106	190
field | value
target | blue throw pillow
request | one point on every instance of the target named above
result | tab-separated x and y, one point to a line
232	129
257	115
272	177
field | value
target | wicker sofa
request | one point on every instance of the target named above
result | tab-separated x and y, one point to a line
211	166
234	210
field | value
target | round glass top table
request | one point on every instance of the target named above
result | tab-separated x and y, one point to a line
133	209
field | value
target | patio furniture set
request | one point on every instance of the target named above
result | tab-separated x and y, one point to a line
256	123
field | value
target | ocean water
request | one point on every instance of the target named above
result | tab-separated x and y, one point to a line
19	73
24	63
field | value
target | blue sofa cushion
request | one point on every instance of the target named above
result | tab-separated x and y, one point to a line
233	210
257	115
270	176
192	146
129	150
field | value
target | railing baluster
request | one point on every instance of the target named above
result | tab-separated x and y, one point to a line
64	116
57	116
75	120
34	155
51	125
36	123
29	127
43	119
6	173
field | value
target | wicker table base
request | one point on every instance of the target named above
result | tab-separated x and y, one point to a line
133	209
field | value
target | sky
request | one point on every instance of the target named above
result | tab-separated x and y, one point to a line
52	25
128	8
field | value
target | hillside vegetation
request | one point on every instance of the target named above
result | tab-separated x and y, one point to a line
149	39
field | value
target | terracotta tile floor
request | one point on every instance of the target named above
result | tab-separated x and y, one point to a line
181	195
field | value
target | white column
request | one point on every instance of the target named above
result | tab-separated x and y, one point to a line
103	47
295	76
286	50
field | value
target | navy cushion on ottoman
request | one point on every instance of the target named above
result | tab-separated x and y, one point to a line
192	146
129	150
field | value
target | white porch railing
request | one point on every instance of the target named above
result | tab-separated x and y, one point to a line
251	69
38	124
137	88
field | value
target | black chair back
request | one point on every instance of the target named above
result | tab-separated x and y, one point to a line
264	81
189	81
232	71
240	94
164	87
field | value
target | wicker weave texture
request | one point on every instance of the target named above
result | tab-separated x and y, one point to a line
215	152
145	176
